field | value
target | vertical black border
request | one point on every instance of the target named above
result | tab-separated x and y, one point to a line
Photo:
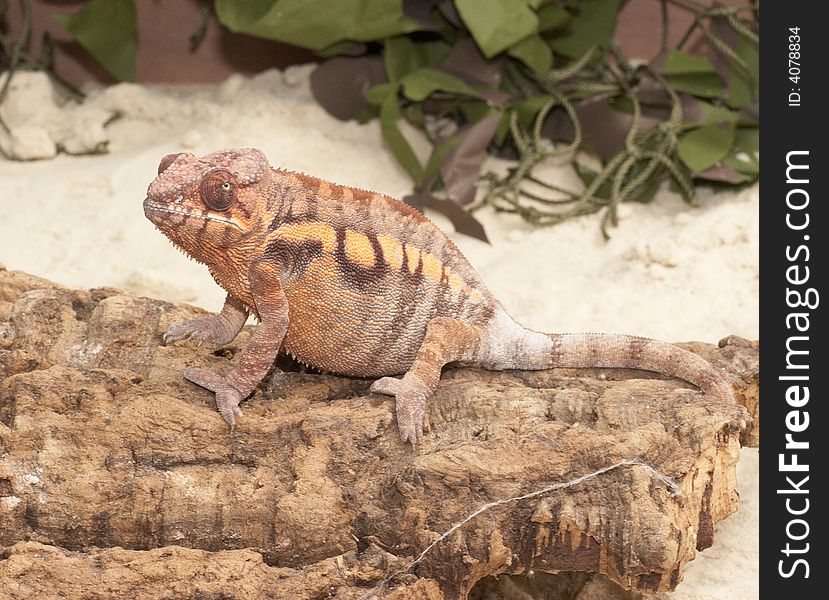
786	128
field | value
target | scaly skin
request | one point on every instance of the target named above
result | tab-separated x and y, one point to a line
356	283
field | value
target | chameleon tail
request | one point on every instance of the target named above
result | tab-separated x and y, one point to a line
512	346
631	352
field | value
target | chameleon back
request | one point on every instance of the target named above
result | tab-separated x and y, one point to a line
364	274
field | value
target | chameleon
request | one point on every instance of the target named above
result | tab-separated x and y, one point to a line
356	283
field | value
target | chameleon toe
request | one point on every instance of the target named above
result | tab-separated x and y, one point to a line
227	401
173	334
387	386
410	400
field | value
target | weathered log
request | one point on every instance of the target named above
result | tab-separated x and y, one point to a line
119	479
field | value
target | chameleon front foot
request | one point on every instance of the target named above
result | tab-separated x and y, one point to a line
410	396
215	329
227	397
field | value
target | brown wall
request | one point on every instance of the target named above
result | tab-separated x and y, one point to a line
165	27
164	56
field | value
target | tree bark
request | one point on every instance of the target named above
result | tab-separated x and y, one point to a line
118	478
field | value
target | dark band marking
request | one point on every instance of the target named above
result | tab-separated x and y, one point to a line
294	255
359	273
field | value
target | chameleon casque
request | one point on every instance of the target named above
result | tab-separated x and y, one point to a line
356	283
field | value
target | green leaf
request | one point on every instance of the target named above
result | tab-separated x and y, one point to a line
693	74
704	146
701	112
377	94
389	117
343	48
399	57
535	53
432	52
587	175
552	17
739	91
683	63
474	110
420	84
413	112
107	30
369	113
316	24
648	190
705	86
745	153
528	109
718	114
237	15
503	129
497	24
402	55
593	25
437	157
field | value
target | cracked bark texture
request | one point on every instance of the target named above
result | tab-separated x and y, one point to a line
119	479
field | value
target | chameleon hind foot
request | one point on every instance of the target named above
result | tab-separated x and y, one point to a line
410	395
227	396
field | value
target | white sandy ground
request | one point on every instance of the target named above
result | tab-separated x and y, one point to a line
669	271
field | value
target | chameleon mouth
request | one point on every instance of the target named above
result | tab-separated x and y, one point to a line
155	207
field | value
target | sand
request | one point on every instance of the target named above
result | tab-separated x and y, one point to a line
669	271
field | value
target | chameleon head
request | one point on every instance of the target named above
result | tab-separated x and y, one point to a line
211	199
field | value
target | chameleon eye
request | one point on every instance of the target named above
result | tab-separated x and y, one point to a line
167	161
218	189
